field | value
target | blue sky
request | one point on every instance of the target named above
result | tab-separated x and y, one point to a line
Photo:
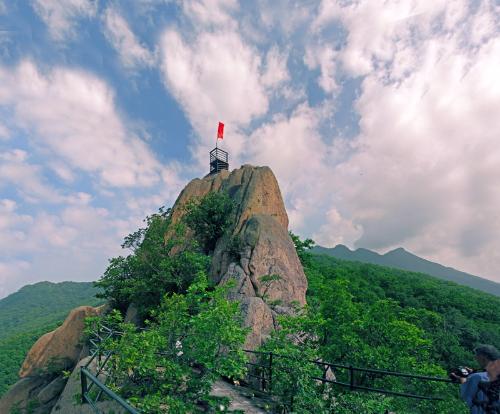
380	122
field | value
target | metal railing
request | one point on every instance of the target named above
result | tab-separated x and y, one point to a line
87	376
266	371
219	154
90	380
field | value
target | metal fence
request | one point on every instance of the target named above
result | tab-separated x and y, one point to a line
93	388
265	371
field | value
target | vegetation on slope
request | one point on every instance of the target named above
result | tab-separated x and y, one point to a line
378	317
194	332
359	314
31	312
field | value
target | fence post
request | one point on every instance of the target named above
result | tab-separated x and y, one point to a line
83	380
351	377
270	372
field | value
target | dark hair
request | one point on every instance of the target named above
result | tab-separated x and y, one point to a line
488	351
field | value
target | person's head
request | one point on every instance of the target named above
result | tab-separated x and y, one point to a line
485	354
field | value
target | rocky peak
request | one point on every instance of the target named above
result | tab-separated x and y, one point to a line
260	226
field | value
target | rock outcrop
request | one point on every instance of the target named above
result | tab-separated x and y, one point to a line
60	348
256	245
41	381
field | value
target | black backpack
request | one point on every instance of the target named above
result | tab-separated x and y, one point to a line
492	391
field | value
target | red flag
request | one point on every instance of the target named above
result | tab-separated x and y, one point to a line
220	131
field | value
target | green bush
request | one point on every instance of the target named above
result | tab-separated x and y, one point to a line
171	366
371	316
209	217
144	276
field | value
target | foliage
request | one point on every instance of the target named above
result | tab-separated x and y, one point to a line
42	304
453	317
302	247
358	315
209	217
267	281
144	276
172	364
291	380
152	269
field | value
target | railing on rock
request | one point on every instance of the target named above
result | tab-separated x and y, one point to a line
89	380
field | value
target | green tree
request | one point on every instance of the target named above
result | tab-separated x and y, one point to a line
209	217
144	276
171	366
302	247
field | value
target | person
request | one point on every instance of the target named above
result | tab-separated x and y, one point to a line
472	388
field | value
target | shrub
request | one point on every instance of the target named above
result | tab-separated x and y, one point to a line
209	217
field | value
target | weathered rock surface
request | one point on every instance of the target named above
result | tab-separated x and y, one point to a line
60	348
69	401
242	399
21	393
52	390
260	228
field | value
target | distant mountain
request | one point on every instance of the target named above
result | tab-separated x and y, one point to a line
402	259
31	312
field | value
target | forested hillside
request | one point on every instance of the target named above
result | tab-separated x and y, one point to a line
391	319
31	312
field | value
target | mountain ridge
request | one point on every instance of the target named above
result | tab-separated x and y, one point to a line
400	258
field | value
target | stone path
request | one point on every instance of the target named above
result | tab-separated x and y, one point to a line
242	398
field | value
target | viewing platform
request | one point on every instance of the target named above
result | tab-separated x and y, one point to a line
219	160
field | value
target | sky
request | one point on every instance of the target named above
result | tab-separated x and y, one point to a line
380	120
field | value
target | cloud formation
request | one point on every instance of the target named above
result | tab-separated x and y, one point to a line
425	166
61	16
379	122
73	113
132	53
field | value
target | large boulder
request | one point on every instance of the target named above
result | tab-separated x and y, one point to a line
61	348
257	245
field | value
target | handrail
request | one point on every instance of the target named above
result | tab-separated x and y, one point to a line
372	370
86	374
351	370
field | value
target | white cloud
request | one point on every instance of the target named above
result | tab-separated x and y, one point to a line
132	54
73	114
61	15
297	14
215	76
26	178
10	271
275	71
427	160
293	148
337	230
62	171
375	33
80	235
208	12
324	58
